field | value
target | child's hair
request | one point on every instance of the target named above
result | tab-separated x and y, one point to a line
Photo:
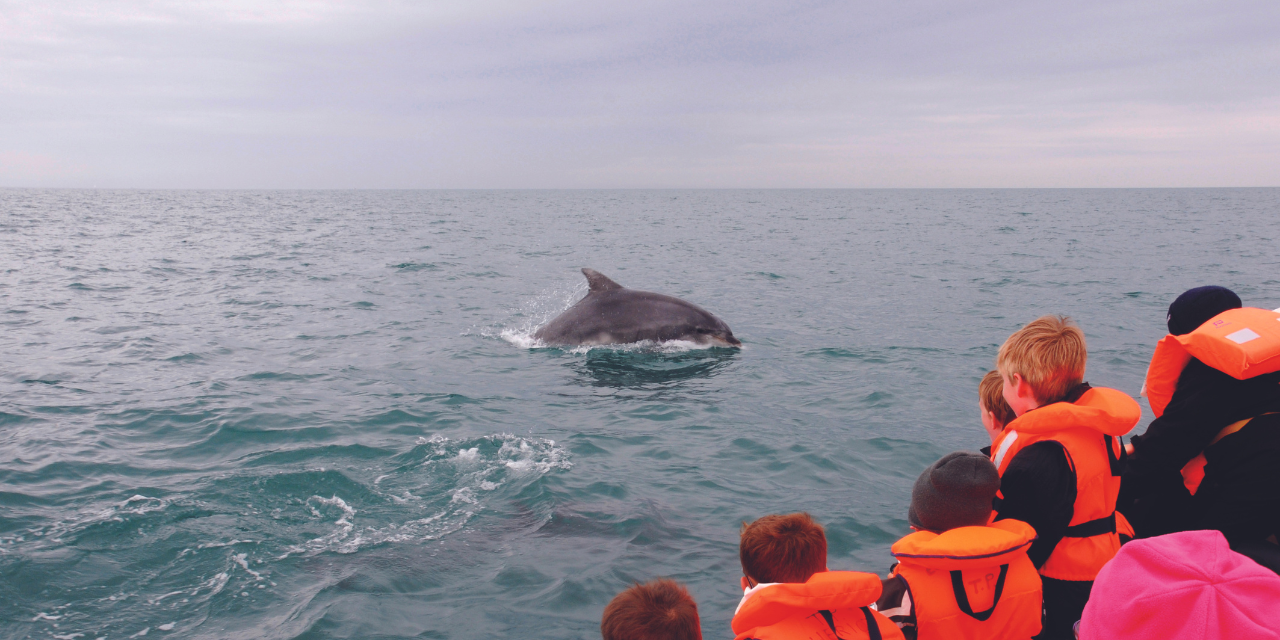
991	395
780	548
1049	353
658	610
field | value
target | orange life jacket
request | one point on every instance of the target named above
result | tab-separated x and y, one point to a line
1089	429
1242	343
831	605
972	582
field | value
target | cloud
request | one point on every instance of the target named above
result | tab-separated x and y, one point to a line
576	94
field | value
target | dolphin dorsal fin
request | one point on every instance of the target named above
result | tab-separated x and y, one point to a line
598	282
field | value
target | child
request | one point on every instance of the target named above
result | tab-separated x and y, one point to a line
957	576
1060	462
788	592
657	610
995	411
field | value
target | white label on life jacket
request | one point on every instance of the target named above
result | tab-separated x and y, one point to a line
1004	447
1242	336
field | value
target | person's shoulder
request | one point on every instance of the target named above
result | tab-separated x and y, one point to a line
1036	453
1198	376
1197	373
1203	391
1038	461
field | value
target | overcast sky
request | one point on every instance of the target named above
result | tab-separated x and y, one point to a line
479	94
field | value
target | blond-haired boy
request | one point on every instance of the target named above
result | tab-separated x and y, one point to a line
1060	462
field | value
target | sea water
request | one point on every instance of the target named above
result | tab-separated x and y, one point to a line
322	414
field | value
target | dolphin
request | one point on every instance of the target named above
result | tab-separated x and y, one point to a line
614	314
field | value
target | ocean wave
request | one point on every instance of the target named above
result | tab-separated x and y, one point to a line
56	533
225	541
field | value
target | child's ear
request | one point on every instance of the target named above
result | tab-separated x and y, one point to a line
1023	387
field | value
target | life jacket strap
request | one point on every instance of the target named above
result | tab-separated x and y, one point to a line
873	629
1115	460
962	598
1098	527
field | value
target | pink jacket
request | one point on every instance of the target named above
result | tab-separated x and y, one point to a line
1182	585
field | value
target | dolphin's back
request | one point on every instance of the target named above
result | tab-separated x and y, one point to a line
613	314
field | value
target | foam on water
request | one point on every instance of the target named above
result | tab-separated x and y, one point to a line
647	346
525	340
522	338
53	534
446	469
533	312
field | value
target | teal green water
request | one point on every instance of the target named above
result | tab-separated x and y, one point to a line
318	415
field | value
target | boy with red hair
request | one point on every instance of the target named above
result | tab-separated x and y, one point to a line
788	592
657	610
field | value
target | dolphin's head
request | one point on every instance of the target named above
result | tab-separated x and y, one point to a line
717	333
729	340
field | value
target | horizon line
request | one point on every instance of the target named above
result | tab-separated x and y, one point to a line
1133	188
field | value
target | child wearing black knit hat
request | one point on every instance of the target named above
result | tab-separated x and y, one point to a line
961	575
955	491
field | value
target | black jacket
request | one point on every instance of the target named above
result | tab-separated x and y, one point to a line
1152	495
1039	488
